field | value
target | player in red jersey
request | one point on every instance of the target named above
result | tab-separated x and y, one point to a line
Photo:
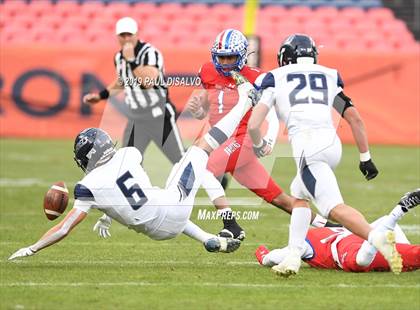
236	155
338	248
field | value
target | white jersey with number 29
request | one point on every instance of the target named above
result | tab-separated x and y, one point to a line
303	95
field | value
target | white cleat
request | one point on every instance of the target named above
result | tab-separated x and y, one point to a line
289	266
384	241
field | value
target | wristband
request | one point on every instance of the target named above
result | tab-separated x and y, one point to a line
365	156
104	94
259	144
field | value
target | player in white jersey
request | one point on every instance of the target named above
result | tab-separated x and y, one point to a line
117	185
304	94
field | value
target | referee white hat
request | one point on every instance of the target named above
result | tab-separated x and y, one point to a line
126	24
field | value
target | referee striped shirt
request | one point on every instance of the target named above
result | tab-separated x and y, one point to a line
143	103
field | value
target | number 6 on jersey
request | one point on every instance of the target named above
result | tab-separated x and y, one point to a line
134	194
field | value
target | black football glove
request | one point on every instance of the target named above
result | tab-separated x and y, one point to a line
368	169
259	150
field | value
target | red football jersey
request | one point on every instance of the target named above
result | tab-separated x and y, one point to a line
222	93
320	240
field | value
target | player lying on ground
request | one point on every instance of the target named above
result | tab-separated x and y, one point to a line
117	185
338	248
235	156
305	93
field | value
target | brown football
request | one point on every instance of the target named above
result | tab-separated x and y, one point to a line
55	200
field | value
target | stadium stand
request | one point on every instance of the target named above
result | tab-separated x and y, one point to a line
331	22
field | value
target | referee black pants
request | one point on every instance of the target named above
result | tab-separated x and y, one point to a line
162	130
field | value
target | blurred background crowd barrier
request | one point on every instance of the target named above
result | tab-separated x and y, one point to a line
54	52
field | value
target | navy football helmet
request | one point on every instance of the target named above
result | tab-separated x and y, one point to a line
295	46
93	147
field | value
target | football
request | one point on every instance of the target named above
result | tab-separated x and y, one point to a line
55	200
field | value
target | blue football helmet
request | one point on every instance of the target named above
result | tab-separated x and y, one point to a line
295	46
93	147
229	42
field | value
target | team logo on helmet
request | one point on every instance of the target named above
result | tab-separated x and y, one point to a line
93	147
229	42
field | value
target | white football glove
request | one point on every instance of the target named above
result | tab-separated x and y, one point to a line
23	252
102	226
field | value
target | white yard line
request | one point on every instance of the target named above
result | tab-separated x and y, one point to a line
411	229
127	262
7	182
207	284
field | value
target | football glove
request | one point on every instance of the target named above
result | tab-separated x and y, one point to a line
368	169
259	151
23	252
102	226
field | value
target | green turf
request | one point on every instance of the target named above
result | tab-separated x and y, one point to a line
129	271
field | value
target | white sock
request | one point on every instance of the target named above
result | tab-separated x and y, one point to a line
389	221
319	221
299	225
366	254
195	232
212	186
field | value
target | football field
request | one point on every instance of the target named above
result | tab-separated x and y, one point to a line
130	271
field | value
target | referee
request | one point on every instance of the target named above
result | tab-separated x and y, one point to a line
140	73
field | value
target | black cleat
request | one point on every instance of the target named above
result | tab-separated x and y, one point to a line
235	232
330	224
220	244
224	181
410	200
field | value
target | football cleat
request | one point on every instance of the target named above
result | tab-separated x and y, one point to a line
289	266
331	224
220	244
410	200
232	231
384	242
260	253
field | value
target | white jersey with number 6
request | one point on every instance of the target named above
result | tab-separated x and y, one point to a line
122	190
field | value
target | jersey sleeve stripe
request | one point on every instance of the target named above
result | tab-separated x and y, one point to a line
340	82
268	81
81	192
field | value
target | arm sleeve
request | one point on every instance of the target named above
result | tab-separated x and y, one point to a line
84	206
342	103
273	127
